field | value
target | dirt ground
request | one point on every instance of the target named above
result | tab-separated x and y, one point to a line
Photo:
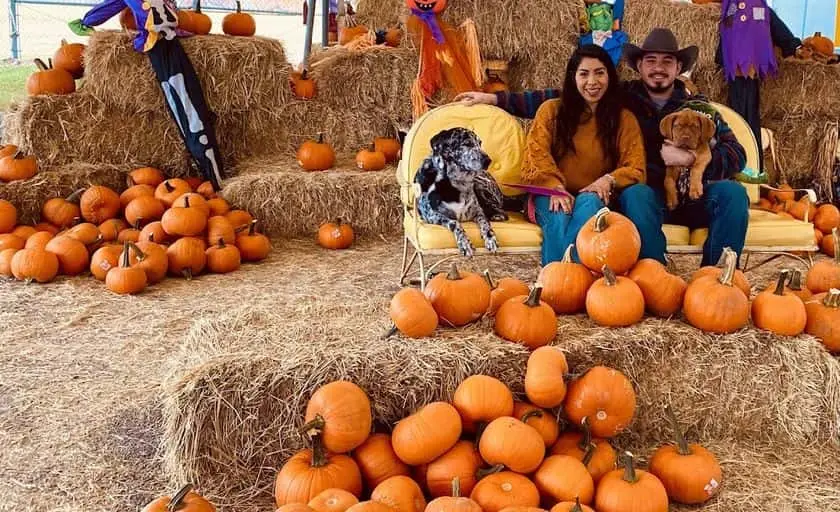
80	367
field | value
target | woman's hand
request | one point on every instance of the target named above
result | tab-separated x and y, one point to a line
475	98
602	187
563	202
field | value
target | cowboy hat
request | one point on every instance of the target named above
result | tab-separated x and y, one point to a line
661	40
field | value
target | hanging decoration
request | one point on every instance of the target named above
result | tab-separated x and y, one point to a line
600	24
745	39
448	59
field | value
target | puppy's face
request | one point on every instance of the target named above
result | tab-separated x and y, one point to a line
687	129
461	147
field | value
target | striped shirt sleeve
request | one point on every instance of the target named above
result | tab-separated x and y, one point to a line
526	103
728	156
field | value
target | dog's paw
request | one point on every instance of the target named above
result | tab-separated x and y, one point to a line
499	217
695	191
466	250
491	244
672	203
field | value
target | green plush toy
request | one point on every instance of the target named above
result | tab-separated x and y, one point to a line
600	16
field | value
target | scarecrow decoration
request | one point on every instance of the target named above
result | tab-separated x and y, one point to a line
600	24
447	59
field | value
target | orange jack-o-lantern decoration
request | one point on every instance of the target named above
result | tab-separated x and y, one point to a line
435	6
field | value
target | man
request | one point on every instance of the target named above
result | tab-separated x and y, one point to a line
724	206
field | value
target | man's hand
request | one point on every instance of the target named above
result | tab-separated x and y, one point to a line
674	156
563	202
475	98
80	29
602	187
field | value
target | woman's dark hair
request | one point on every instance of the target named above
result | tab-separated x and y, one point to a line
574	107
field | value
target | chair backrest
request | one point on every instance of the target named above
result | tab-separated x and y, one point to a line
502	138
742	132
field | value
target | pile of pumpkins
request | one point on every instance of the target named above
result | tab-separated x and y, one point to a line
615	288
484	451
59	75
196	22
824	217
156	227
14	165
318	155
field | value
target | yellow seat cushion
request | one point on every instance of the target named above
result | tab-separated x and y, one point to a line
517	231
745	137
675	234
766	229
502	138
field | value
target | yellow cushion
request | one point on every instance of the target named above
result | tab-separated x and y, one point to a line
515	232
744	135
501	134
766	229
675	235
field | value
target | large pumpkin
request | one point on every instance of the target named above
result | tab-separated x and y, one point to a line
427	434
99	204
34	265
400	493
505	489
527	320
825	274
461	463
824	319
70	58
185	500
377	460
312	471
820	44
606	397
509	442
413	314
662	290
565	284
544	377
597	454
187	257
779	310
340	412
611	239
481	399
630	490
458	297
17	167
49	80
691	474
73	258
540	420
502	290
714	304
615	301
564	478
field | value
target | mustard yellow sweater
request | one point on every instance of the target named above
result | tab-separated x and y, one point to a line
576	170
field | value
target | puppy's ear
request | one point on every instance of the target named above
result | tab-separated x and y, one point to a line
707	128
666	126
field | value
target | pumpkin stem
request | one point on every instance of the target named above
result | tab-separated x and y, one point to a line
221	243
320	137
609	276
536	413
795	282
577	507
836	234
137	223
586	440
252	227
304	75
74	197
314	427
453	274
186	201
64	42
168	186
40	65
533	299
629	469
601	219
728	268
319	455
51	64
456	487
481	473
140	254
125	262
489	279
198	6
567	256
588	454
682	444
175	502
187	273
780	282
479	431
832	298
393	330
238	7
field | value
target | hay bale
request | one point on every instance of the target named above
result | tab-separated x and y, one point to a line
292	202
802	89
797	147
30	195
237	73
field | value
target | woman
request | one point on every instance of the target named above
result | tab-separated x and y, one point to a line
585	146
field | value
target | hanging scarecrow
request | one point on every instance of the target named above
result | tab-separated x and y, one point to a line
157	32
600	24
447	59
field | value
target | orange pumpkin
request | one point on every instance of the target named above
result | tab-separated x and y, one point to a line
820	44
252	245
802	209
8	150
738	277
192	200
662	290
185	500
565	284
70	58
413	314
333	500
461	463
714	304
544	377
207	191
239	218
782	193
146	176
46	226
400	493
794	286
220	229
825	274
388	146
152	259
779	311
24	232
340	412
310	472
453	502
316	155
571	506
824	319
481	399
615	301
505	489
369	159
427	434
99	203
564	478
335	235
6	256
145	209
597	454
377	461
85	232
73	258
509	442
827	218
38	241
691	474
17	167
506	288
8	216
239	23
223	258
110	229
542	421
104	259
187	257
630	486
458	297
609	239
154	232
527	320
170	190
303	85
604	396
351	30
49	80
34	265
183	220
195	21
11	241
218	206
125	279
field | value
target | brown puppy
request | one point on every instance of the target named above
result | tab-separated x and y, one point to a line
687	129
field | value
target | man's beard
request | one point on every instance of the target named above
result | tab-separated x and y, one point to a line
659	87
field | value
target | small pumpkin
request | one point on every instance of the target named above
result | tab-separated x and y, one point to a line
764	204
782	193
295	507
11	241
691	474
615	301
597	454
370	506
192	200
183	220
610	239
170	190
505	489
104	259
239	23
714	304
151	258
461	462
827	218
400	493
135	191
630	490
544	377
223	258
193	182
8	216
604	396
85	232
333	500
187	257
453	502
8	150
49	80
413	314
824	319
340	412
239	218
388	146
351	30
206	190
369	159
794	286
70	58
803	209
252	245
335	235
506	288
739	279
62	212
509	442
46	226
779	311
825	274
827	245
73	258
427	434
34	265
540	420
110	229
377	461
125	279
458	297
310	472
17	167
144	209
662	290
127	21
565	284
6	256
99	203
571	506
218	206
195	21
527	320
481	399
185	500
24	232
303	85
316	155
131	234
38	241
220	228
149	176
154	232
820	43
564	478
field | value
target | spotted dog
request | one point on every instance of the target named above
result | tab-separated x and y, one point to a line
455	187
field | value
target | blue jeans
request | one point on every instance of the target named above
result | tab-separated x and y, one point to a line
723	209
